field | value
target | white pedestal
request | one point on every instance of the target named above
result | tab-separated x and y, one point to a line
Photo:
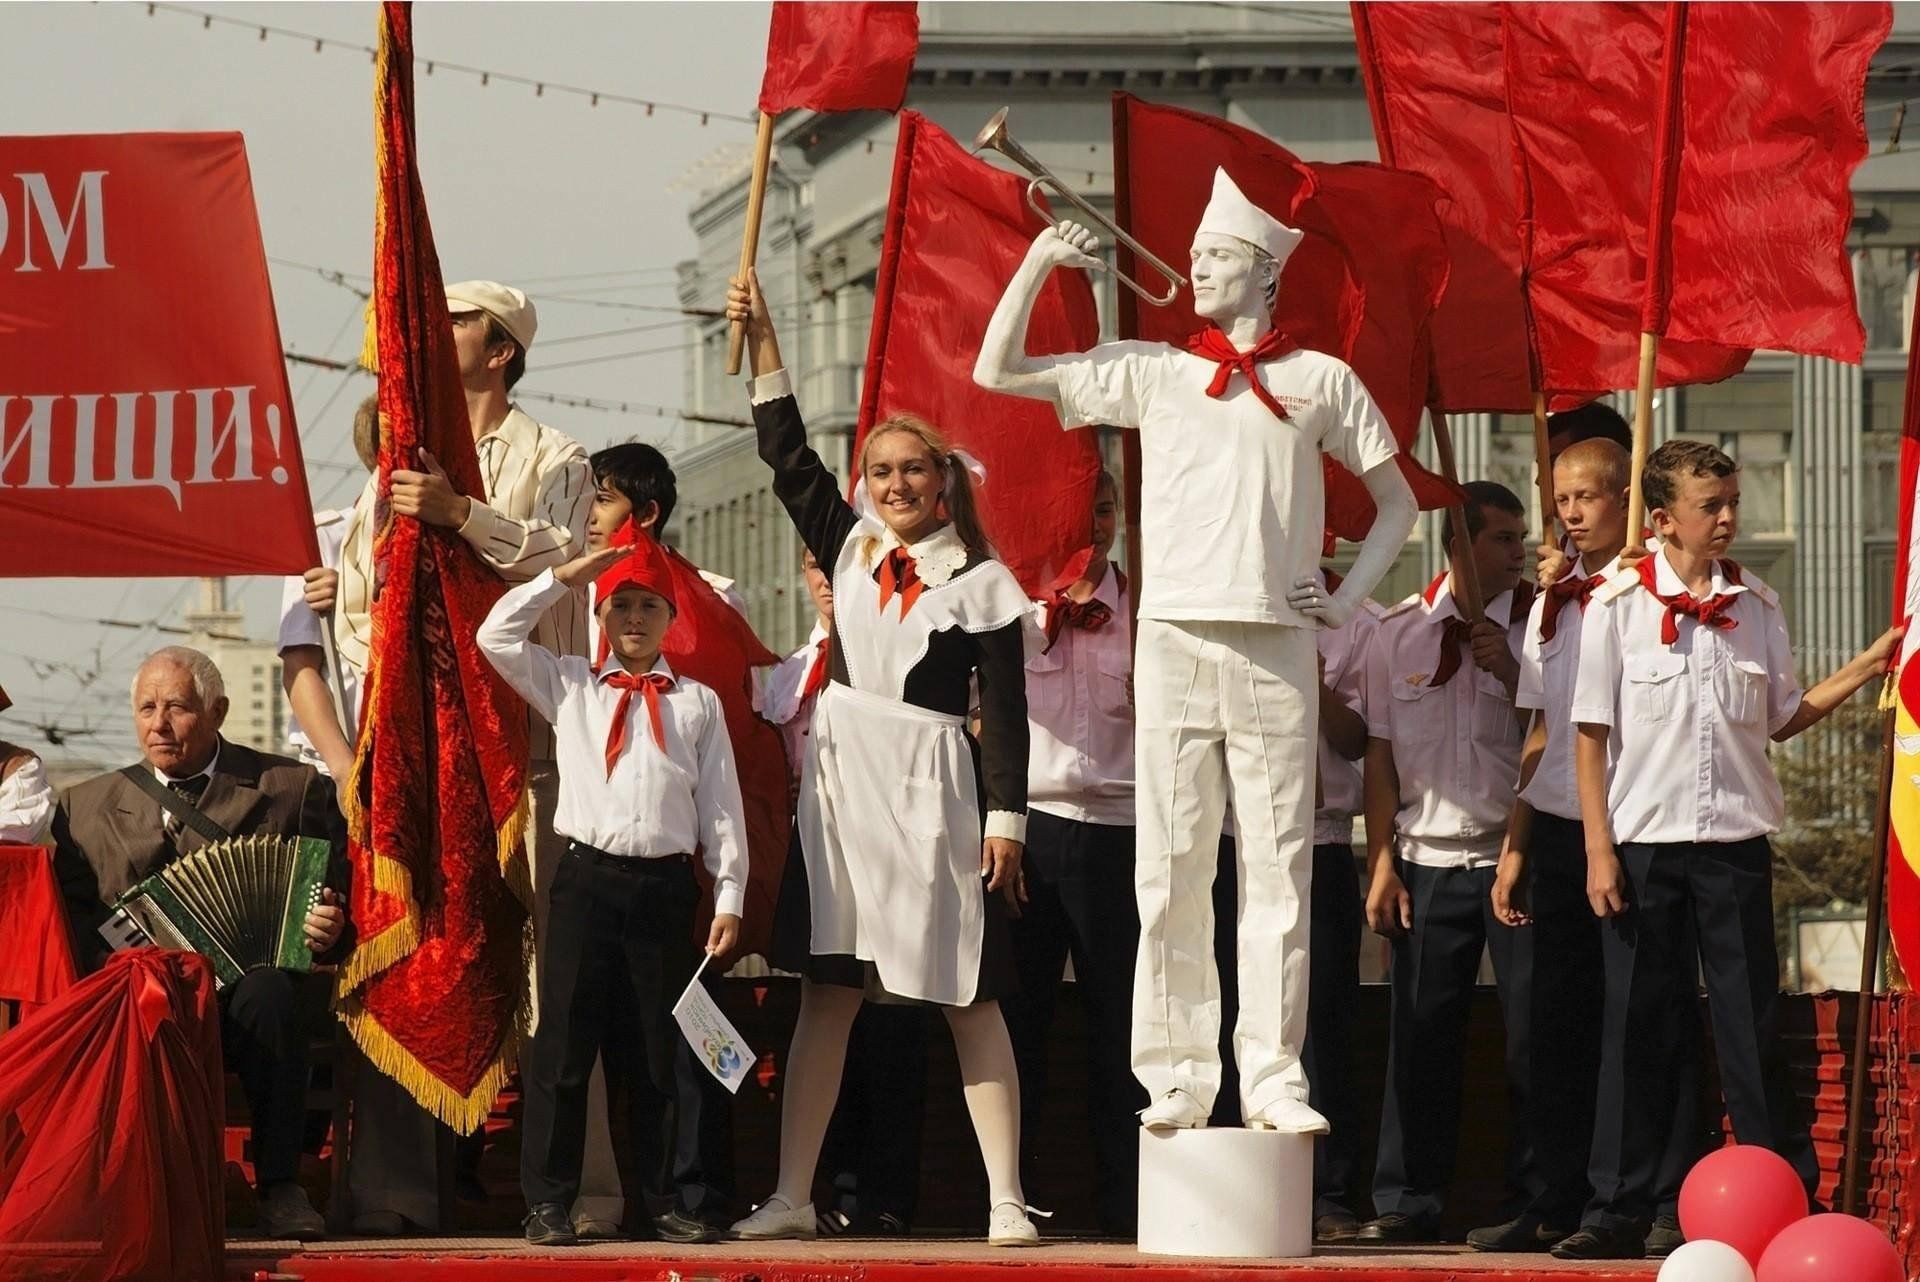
1226	1192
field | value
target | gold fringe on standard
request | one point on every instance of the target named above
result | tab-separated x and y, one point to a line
464	1113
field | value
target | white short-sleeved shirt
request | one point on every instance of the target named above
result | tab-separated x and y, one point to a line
1342	791
1232	501
1690	722
1079	720
299	626
1456	747
1547	671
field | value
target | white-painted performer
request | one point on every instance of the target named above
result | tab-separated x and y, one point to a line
1226	683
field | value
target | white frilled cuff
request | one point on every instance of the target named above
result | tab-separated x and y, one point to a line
770	386
1008	824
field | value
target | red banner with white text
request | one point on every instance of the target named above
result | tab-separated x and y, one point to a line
145	423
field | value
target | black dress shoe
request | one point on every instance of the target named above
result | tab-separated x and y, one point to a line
1665	1237
547	1225
1395	1227
1597	1242
677	1226
1335	1227
1524	1233
286	1214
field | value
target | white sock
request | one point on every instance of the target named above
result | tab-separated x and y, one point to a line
814	1062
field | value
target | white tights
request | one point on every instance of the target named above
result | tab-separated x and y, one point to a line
819	1052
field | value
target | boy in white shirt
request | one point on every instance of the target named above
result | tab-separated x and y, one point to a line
1685	675
1443	750
646	778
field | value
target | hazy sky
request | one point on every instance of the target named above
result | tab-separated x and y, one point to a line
566	199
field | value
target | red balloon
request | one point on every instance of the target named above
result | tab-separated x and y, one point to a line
1744	1196
1827	1248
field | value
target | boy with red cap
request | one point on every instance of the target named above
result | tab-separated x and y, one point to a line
646	778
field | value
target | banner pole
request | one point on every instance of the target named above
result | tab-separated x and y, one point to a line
1543	464
1642	440
1466	574
336	679
1858	1076
750	234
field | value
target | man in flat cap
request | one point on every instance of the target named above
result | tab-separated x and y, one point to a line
1232	429
531	517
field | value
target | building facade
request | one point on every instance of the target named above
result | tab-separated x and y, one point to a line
257	708
1817	441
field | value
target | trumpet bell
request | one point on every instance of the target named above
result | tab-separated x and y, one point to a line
993	132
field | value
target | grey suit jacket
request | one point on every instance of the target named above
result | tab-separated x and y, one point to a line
108	836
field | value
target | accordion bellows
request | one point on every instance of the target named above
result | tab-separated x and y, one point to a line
240	903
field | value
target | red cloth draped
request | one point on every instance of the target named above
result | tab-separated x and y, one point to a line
1362	285
112	1103
713	645
957	227
839	57
437	806
36	957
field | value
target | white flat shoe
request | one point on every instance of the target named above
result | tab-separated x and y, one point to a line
1289	1117
1009	1226
1176	1110
774	1220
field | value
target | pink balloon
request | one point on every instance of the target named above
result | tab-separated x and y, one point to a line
1744	1196
1827	1248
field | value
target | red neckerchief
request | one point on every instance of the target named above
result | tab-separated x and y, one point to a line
1456	633
649	684
1570	588
897	575
1711	613
1213	345
817	674
1090	615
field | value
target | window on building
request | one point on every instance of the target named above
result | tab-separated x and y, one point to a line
1751	418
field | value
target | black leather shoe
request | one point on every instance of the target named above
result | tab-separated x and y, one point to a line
547	1225
1395	1227
677	1226
1523	1234
1335	1228
1596	1242
1665	1237
285	1213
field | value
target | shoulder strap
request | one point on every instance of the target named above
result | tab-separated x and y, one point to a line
175	804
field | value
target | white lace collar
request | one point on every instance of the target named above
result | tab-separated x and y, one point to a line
936	558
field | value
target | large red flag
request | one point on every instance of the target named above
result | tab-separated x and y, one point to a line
433	991
1903	833
1538	122
145	422
839	57
1362	285
957	227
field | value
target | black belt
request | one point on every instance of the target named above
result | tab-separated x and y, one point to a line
629	862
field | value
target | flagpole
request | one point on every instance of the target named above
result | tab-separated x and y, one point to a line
1466	574
1642	439
1857	1070
1543	465
750	235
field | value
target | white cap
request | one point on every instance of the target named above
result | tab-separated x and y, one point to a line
1231	214
502	302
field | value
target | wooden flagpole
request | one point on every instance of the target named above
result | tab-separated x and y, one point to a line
1857	1074
1642	440
1466	574
750	236
1543	464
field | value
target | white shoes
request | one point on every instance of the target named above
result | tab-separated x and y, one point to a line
1176	1110
1009	1226
774	1220
1289	1117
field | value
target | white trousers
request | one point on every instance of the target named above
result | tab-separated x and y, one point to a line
1224	712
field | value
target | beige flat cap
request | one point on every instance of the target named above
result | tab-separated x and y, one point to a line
504	303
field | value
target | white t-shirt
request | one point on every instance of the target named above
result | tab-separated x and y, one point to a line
1233	506
299	625
1690	723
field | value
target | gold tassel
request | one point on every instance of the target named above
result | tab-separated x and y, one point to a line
1890	691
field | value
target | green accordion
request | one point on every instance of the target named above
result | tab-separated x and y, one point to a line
240	903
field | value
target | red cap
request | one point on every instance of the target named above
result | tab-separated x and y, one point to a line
5	702
645	568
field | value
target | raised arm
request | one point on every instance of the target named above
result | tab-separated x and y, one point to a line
1003	364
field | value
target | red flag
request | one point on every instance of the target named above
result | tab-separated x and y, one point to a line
437	810
1538	121
145	422
957	227
1903	831
1362	285
839	57
712	644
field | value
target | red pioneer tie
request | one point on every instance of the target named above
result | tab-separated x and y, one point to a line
649	684
1571	588
817	674
1711	613
1211	344
1088	615
1455	634
897	575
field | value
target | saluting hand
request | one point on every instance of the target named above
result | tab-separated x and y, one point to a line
588	566
429	496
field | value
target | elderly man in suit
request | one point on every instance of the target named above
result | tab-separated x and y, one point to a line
111	832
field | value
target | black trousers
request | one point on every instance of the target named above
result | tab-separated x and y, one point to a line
1080	904
1333	995
1434	966
266	1023
871	1154
619	953
1693	908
